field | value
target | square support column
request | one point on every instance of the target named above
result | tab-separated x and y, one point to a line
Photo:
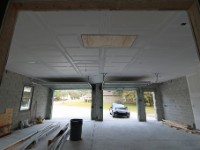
141	105
158	104
97	102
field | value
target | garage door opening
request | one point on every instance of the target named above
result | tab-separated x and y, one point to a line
68	104
127	104
149	100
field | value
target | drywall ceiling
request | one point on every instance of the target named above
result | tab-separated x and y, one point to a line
48	45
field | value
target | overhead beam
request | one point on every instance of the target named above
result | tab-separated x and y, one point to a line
6	32
3	8
103	4
194	13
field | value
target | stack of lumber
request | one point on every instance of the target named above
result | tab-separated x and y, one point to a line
6	122
31	141
178	126
57	142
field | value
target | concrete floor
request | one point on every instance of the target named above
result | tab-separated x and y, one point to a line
118	134
129	134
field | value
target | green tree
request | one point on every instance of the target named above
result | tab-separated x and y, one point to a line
128	95
148	98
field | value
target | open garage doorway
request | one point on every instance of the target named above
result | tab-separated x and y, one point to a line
149	101
68	104
116	101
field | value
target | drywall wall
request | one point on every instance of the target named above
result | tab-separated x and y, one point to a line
176	101
10	97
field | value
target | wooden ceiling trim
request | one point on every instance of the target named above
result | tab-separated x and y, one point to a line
6	34
194	13
95	5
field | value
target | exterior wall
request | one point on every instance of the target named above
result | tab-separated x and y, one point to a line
176	101
10	97
194	88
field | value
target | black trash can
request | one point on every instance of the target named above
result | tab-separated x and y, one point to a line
76	129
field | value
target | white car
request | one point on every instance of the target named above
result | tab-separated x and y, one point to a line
119	110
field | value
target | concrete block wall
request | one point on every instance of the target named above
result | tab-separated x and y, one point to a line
194	89
10	97
176	101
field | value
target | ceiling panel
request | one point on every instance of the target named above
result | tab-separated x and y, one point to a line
69	40
118	59
121	52
71	18
52	40
150	19
53	59
76	29
85	58
59	64
83	52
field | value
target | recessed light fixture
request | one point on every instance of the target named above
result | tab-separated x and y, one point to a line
104	40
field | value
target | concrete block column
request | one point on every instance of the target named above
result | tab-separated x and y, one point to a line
97	102
49	105
140	105
158	104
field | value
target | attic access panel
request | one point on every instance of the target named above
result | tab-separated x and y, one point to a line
112	41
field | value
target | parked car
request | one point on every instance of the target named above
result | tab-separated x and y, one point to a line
119	110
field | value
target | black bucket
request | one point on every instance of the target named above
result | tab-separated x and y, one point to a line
76	129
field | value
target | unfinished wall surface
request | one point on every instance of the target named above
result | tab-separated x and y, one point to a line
10	97
194	89
176	101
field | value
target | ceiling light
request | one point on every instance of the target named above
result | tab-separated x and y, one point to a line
112	41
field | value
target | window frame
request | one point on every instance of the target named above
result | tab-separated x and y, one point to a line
30	98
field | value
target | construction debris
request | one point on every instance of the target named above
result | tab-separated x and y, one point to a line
178	126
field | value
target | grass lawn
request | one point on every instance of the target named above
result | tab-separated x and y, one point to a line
106	106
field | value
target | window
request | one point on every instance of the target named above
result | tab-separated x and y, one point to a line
26	98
